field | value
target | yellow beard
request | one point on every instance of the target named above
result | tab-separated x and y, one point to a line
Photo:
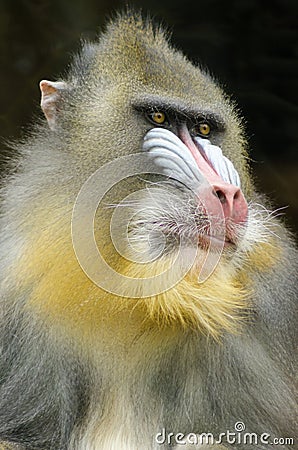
63	292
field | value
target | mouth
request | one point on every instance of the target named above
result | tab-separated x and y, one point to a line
171	218
207	242
193	234
218	234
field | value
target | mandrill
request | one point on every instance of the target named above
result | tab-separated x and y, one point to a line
148	294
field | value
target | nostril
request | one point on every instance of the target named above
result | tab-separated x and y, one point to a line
221	195
232	201
237	194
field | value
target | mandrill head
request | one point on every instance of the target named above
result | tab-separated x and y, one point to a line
163	221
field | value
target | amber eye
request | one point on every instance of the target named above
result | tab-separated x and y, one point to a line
204	129
158	117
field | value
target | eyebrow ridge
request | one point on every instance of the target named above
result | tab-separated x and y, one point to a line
173	106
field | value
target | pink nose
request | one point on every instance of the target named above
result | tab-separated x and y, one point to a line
233	202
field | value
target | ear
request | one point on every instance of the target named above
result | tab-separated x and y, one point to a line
51	94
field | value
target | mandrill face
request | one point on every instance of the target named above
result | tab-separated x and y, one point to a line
200	168
199	200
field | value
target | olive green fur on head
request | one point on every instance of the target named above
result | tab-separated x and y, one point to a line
134	64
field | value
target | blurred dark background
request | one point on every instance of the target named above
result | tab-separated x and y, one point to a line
251	46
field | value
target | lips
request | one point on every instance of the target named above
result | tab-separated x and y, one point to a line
212	242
